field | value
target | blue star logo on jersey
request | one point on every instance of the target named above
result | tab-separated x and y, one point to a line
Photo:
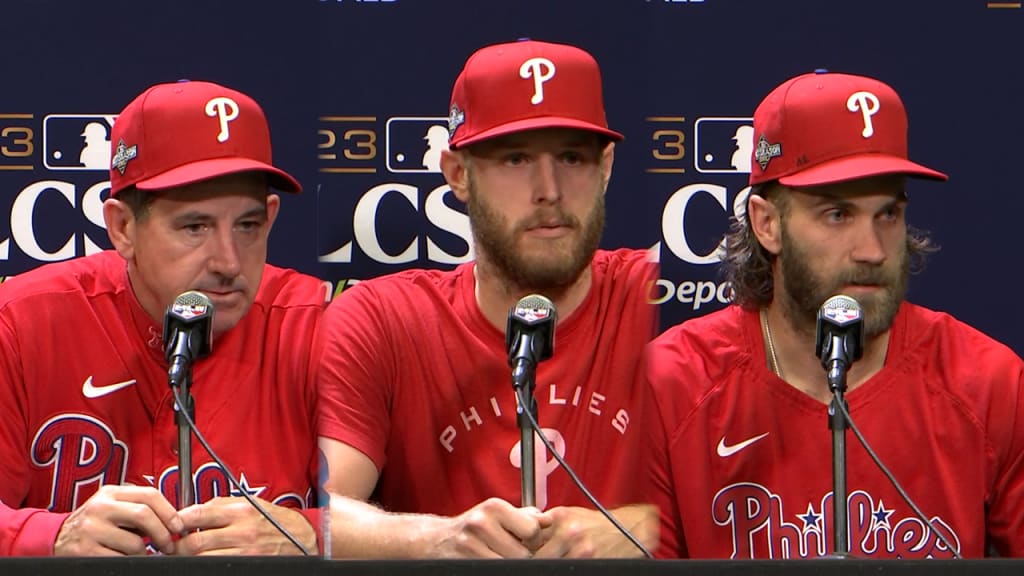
810	519
243	486
881	515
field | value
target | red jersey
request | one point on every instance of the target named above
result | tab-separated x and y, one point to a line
85	398
415	377
743	465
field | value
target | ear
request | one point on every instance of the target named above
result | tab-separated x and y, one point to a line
607	159
765	220
273	207
121	226
453	166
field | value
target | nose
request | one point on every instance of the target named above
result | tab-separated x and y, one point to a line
223	257
546	187
869	247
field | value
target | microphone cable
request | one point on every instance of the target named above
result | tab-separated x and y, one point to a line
524	403
231	477
902	492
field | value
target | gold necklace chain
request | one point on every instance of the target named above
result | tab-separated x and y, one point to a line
772	358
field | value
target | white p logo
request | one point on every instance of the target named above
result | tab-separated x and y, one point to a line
542	467
867	104
227	110
541	70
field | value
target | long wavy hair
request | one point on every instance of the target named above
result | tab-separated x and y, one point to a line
747	266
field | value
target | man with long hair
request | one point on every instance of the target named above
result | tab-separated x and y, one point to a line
742	464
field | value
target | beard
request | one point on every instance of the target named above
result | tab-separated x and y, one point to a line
803	291
549	270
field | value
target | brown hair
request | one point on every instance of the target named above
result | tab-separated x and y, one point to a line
138	200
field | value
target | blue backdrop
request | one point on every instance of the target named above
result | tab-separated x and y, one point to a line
352	87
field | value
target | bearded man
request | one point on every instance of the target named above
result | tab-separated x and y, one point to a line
742	452
417	406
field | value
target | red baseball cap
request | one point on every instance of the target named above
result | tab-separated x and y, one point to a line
184	132
526	85
823	128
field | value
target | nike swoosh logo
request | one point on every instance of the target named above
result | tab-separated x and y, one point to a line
90	391
725	451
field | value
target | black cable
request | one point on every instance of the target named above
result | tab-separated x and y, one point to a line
888	474
231	477
524	403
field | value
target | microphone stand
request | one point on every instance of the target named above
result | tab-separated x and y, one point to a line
837	423
526	401
186	494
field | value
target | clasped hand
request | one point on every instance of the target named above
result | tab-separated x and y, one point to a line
118	520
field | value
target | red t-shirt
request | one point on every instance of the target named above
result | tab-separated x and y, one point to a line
742	464
75	329
415	377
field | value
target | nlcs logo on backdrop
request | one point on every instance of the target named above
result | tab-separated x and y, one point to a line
723	145
77	141
408	217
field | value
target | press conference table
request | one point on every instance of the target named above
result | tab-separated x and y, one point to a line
318	567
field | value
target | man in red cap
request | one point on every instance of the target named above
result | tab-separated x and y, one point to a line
418	406
89	440
743	453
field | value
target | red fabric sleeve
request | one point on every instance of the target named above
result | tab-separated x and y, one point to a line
28	531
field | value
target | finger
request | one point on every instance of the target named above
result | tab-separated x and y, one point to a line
197	543
524	524
129	521
552	543
145	510
545	519
108	539
224	552
510	536
500	526
216	513
553	548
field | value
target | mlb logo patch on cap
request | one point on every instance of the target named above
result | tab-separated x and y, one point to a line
526	85
824	128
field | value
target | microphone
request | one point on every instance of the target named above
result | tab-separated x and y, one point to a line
838	342
529	336
188	333
188	336
839	338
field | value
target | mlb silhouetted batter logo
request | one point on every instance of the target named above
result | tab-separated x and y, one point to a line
77	141
96	153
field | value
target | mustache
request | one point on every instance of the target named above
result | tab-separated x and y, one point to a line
222	285
549	218
866	276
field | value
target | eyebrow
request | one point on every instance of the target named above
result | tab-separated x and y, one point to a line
573	141
823	197
197	216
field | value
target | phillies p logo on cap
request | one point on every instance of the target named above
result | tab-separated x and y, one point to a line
184	132
824	128
526	85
